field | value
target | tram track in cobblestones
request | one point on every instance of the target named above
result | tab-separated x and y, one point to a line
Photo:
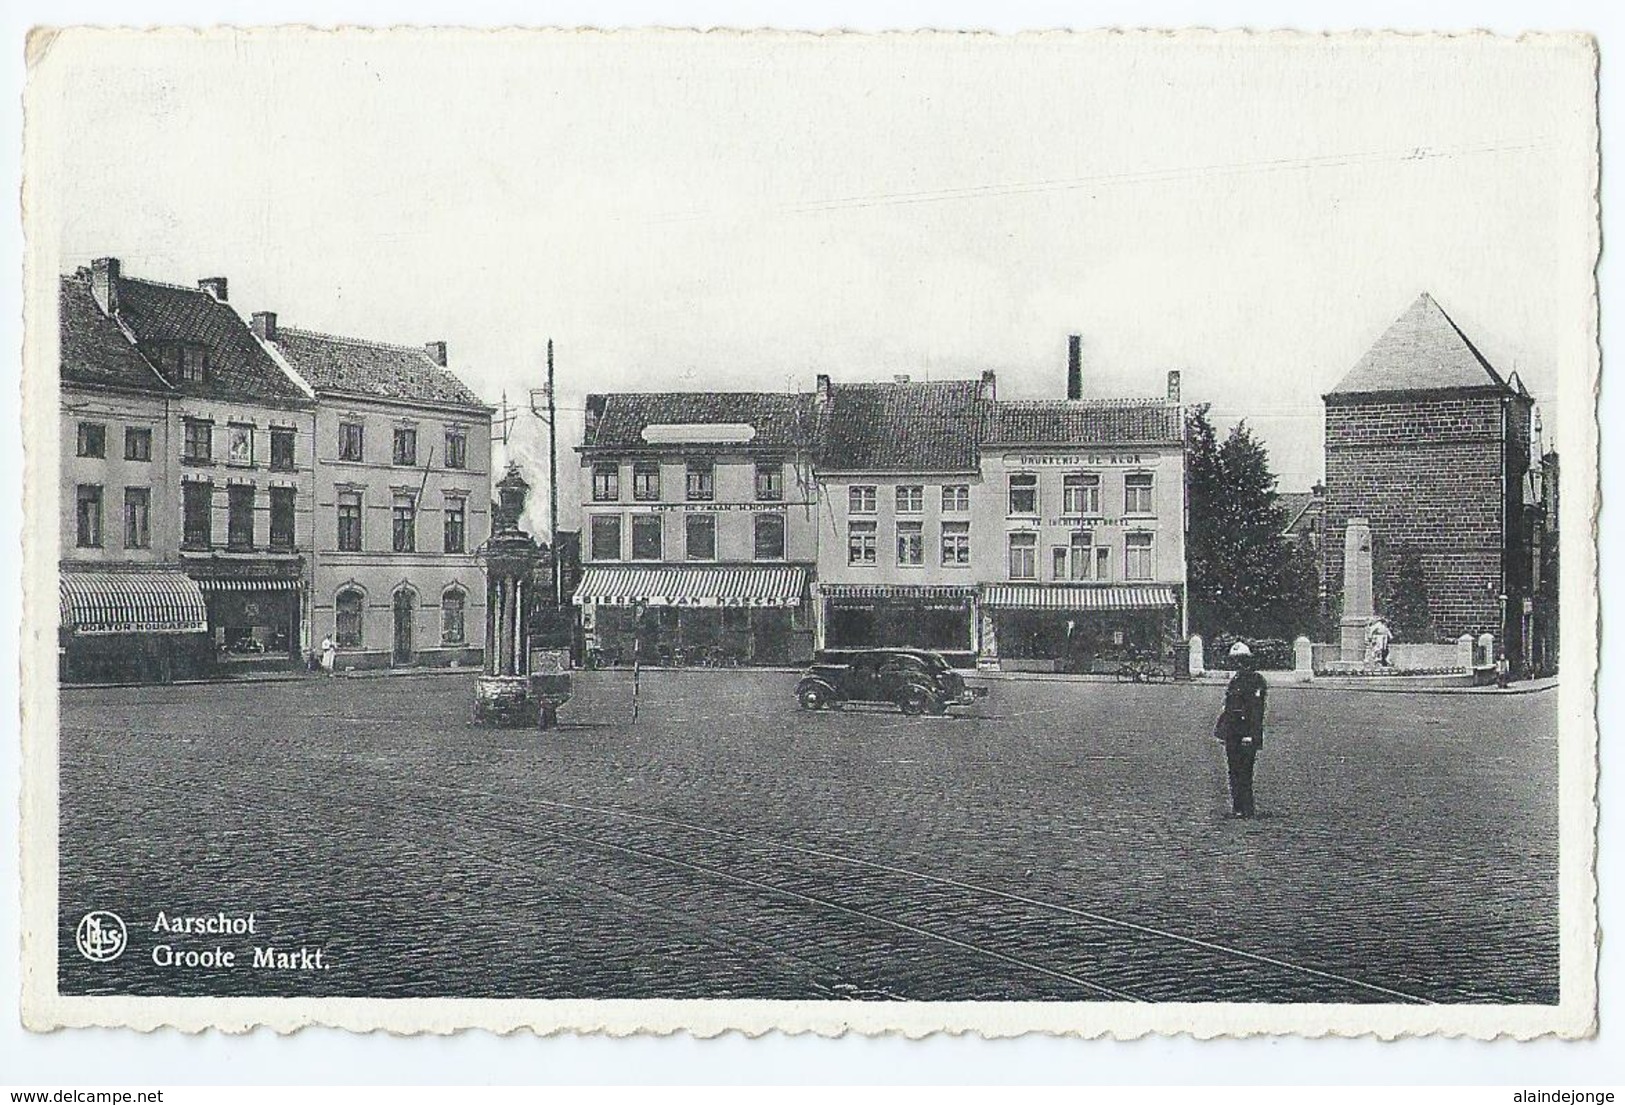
1103	956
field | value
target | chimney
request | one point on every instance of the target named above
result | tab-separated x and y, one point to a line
1173	386
264	324
215	286
104	278
437	352
900	378
989	390
1074	366
825	389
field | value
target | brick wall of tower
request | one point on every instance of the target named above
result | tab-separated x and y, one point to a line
1427	472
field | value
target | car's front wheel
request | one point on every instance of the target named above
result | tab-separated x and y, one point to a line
812	698
916	701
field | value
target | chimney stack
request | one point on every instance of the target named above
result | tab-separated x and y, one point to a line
1173	386
824	387
989	390
437	352
1074	366
264	324
215	286
104	278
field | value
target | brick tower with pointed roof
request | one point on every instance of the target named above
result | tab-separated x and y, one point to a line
1430	443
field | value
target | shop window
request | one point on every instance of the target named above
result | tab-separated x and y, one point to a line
1138	558
606	483
700	487
860	543
769	537
1024	556
89	512
282	450
1082	555
1024	493
137	517
197	441
1137	493
240	445
1080	493
735	618
646	536
92	439
197	510
240	517
605	543
456	448
955	498
860	499
347	608
137	443
352	441
405	452
456	525
701	537
349	521
646	482
282	499
452	605
406	524
770	482
956	543
910	499
910	543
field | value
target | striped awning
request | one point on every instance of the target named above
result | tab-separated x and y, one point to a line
1039	596
131	602
250	584
896	591
691	586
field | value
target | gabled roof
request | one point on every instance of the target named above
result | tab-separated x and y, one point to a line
780	420
95	350
373	370
1086	422
239	367
1299	508
903	427
1422	351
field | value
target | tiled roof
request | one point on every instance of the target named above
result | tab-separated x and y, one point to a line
1086	422
1295	506
903	427
371	369
239	367
781	420
1422	351
95	350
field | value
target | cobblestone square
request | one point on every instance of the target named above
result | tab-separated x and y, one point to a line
1061	841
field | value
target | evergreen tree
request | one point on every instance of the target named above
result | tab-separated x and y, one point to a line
1240	574
1406	598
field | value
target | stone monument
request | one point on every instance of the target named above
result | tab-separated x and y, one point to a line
1358	612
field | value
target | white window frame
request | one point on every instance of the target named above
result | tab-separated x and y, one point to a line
1149	488
866	529
1143	543
861	498
1026	540
1010	494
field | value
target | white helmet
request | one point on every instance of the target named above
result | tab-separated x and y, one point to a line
1240	649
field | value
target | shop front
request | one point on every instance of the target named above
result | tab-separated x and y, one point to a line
253	619
694	616
1078	628
878	615
131	627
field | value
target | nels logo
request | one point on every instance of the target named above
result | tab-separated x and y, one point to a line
101	936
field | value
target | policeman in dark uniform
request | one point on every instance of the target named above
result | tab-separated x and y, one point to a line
1241	727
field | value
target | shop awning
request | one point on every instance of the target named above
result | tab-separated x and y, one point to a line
131	602
1038	596
896	591
249	584
692	586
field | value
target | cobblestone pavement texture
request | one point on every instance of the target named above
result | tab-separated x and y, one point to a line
1056	842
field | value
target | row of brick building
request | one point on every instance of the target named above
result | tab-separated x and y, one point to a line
234	490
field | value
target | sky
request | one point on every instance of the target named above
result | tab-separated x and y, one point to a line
726	211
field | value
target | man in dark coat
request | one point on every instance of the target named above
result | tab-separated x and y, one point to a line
1241	727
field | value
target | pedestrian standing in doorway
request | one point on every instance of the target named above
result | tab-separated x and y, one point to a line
1241	727
330	654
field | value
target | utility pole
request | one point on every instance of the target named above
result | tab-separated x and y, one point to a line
550	416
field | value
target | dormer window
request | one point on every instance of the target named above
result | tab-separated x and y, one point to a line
184	361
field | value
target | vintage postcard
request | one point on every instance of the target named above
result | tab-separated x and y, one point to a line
1084	533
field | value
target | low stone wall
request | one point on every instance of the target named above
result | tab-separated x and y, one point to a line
1411	656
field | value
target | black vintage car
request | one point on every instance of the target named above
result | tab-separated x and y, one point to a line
915	680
